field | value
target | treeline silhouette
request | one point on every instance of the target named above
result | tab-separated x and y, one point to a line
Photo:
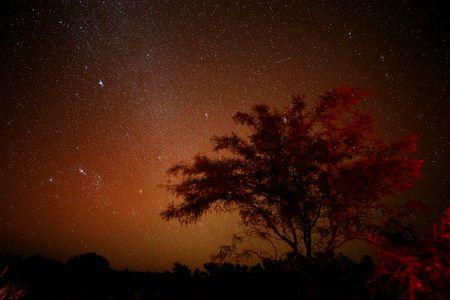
89	276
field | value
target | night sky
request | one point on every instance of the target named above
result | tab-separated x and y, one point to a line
99	99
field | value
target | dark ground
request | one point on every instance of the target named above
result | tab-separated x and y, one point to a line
89	276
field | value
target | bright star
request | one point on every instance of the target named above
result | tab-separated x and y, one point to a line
101	83
82	171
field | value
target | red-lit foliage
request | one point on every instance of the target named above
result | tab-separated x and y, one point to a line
412	268
9	291
310	178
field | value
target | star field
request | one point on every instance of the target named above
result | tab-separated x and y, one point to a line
99	99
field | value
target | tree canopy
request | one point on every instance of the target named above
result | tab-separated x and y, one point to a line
312	178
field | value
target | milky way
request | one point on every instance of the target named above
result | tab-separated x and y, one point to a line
98	99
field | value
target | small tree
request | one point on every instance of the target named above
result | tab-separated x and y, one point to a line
88	262
312	179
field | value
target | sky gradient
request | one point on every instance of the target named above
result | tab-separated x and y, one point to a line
99	99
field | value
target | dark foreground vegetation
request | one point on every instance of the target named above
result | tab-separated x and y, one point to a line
408	267
89	276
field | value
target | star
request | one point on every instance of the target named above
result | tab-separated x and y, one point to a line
101	83
82	171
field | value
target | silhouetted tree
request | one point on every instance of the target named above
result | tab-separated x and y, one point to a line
312	179
88	262
181	270
88	272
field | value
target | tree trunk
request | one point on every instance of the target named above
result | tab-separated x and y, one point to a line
308	248
308	243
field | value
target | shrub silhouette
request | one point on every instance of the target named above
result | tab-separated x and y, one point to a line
88	262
